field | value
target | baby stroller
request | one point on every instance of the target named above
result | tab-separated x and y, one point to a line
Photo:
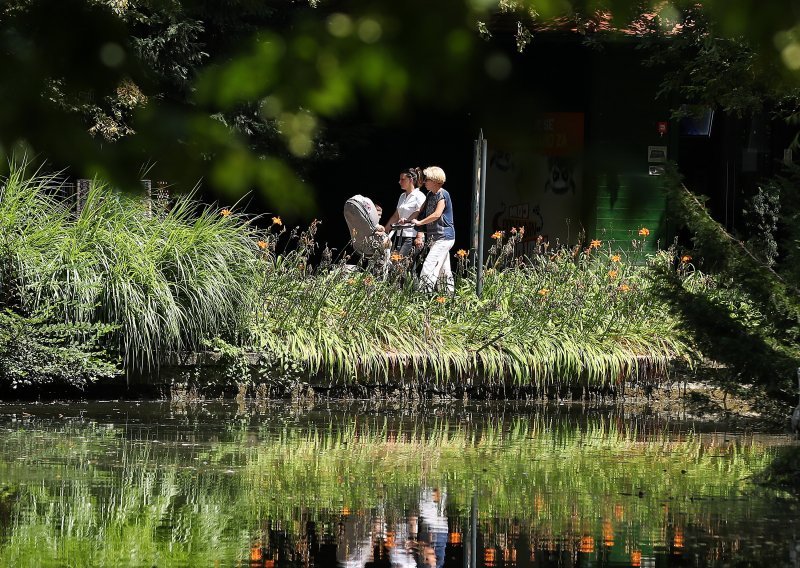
373	248
362	220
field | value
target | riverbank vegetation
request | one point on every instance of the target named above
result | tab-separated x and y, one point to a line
119	288
118	277
136	287
747	324
580	316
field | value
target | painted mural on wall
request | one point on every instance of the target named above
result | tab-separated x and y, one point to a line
539	187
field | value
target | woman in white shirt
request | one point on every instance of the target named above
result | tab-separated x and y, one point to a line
408	207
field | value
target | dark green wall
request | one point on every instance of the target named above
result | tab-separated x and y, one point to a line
622	121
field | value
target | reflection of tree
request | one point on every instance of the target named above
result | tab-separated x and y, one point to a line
236	92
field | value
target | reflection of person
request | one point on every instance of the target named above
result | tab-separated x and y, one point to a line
401	552
408	207
433	528
437	223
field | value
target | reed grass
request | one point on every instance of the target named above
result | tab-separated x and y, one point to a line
571	316
167	283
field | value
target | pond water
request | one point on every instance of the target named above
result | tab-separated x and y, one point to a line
221	484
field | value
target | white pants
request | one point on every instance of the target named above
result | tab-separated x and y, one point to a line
437	266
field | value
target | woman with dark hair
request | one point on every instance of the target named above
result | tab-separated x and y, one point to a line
408	207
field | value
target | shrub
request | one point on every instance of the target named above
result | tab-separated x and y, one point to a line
35	351
165	283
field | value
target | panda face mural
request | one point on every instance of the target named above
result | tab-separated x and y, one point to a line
503	161
560	179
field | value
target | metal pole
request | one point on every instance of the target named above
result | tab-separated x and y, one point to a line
481	214
474	530
476	197
467	560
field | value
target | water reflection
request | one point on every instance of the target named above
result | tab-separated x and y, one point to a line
127	485
358	540
372	541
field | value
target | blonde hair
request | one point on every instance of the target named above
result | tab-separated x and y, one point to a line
435	173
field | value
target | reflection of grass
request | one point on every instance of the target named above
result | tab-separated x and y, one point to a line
514	470
170	503
150	511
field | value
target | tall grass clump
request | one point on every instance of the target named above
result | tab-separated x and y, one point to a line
579	316
36	346
166	283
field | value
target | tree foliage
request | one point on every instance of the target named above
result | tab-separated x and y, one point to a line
239	93
756	337
118	93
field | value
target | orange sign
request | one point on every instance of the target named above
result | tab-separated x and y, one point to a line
560	133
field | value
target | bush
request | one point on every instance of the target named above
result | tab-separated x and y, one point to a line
35	351
165	283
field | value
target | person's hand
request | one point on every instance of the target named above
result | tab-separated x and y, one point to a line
380	229
402	221
416	222
418	243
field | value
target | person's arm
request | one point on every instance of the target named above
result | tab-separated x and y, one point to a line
433	216
419	240
420	224
389	223
411	217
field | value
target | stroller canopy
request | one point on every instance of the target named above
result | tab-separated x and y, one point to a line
362	220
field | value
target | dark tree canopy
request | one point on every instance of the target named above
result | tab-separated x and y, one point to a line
240	93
